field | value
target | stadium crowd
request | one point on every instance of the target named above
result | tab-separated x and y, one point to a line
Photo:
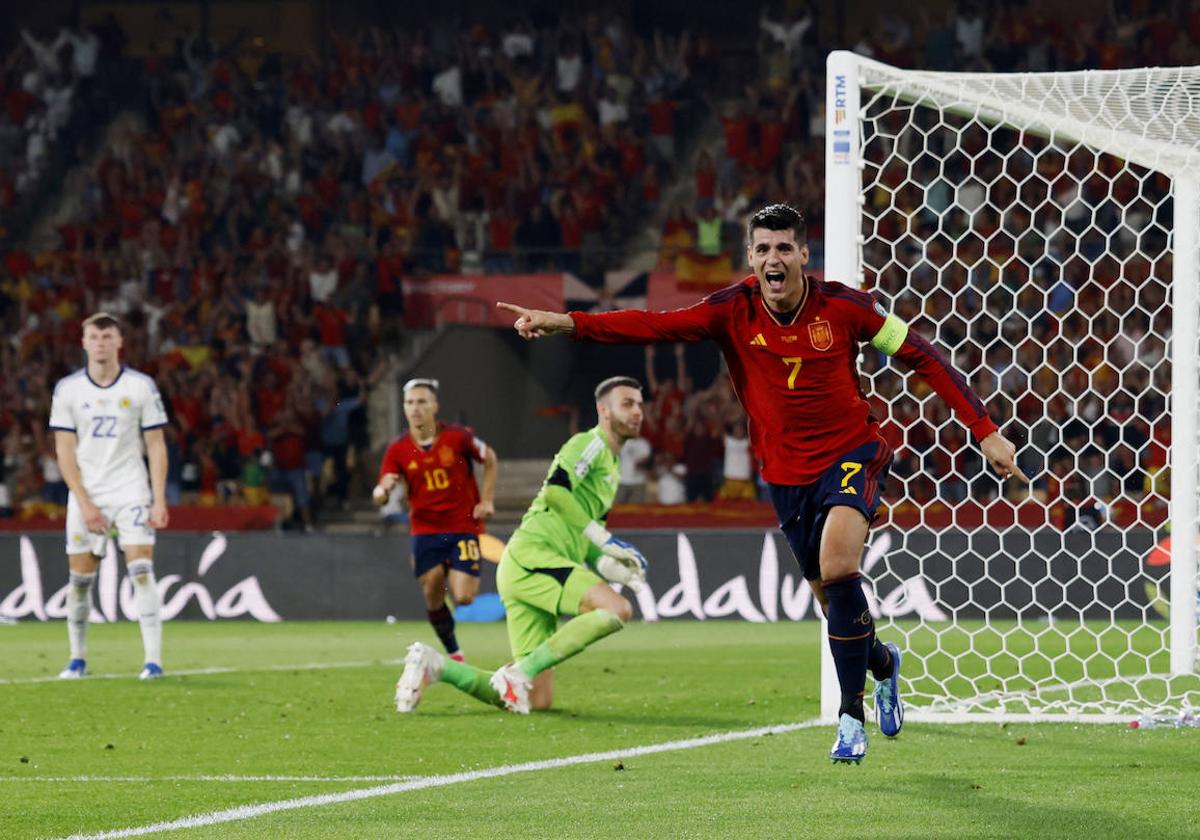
772	143
51	91
254	229
1031	303
254	226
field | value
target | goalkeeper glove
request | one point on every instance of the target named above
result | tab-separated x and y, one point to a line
613	547
616	549
614	571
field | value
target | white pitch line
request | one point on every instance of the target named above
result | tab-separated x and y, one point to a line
246	812
200	672
224	778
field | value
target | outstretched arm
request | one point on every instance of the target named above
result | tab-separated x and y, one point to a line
625	326
535	323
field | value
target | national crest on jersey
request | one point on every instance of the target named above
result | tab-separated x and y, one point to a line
108	422
820	333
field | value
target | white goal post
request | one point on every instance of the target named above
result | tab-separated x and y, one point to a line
1042	230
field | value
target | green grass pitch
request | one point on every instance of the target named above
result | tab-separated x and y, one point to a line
200	743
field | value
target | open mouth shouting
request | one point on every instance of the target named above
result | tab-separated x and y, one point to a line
776	281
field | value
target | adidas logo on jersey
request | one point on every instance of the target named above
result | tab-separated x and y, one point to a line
758	341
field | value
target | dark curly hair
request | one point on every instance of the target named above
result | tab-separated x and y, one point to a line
778	217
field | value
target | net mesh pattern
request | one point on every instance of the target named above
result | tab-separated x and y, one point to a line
1002	221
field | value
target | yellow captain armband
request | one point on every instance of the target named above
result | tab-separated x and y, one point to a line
891	335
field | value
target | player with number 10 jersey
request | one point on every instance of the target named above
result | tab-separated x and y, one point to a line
446	510
440	479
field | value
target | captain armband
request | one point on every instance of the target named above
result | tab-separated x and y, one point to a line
890	336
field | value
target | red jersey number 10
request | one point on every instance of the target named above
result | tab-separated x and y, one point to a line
436	480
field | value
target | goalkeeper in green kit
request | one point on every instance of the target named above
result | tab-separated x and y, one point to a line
559	562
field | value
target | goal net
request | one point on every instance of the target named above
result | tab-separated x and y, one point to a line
1041	230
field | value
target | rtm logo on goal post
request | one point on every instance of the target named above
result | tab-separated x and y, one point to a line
842	136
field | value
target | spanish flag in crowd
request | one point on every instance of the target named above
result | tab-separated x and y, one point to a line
716	271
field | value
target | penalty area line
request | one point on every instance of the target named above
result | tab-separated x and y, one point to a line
246	812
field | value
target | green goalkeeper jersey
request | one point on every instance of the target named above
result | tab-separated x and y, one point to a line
590	471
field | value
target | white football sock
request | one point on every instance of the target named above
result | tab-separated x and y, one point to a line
79	607
149	607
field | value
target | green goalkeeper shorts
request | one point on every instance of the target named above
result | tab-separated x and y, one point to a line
537	585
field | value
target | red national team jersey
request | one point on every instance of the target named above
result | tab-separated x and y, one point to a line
797	380
442	492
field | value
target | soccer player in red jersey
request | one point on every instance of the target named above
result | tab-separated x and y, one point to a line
790	342
446	510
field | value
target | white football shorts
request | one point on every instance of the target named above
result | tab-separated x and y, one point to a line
128	519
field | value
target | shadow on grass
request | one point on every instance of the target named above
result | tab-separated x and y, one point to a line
995	815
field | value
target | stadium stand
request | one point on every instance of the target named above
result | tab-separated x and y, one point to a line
253	217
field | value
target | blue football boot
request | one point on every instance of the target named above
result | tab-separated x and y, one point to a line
851	744
151	671
889	711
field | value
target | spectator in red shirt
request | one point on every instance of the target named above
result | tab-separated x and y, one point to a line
571	228
706	177
501	235
270	397
703	448
661	112
287	438
736	126
331	327
771	129
390	267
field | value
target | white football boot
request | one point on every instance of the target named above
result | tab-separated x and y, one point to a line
422	666
76	669
513	686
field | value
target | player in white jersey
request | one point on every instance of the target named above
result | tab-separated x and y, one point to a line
100	416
